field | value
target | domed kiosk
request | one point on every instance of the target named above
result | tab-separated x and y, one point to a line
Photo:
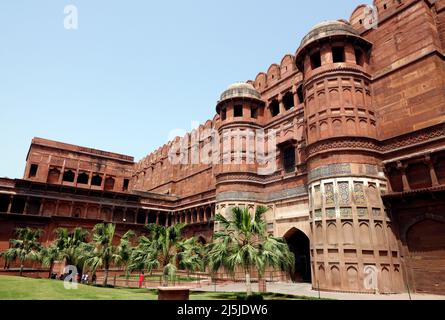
330	32
240	102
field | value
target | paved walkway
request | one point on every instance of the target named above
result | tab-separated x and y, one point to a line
304	289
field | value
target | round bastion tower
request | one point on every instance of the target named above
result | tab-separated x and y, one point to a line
241	112
352	243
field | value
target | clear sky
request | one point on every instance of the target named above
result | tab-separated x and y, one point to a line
134	70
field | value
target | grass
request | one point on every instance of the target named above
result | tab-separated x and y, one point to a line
16	288
158	277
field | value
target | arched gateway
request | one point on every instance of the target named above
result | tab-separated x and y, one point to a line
300	246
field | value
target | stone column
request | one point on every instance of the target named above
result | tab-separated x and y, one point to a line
11	198
157	218
434	179
57	207
112	213
405	182
25	209
146	217
42	205
281	103
72	209
62	173
295	96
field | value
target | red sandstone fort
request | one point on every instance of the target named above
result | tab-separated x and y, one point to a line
359	116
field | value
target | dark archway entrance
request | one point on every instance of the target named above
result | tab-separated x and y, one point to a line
299	244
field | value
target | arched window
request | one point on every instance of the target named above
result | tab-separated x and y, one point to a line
68	176
288	100
83	178
274	108
96	180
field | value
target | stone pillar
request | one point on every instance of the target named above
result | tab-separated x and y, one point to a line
102	185
434	179
62	173
157	218
295	96
198	215
11	198
57	207
112	213
405	181
42	205
72	209
146	217
281	103
25	209
205	215
350	53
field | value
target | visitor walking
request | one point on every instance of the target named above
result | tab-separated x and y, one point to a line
141	279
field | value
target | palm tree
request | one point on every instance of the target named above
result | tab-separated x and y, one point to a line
49	256
164	249
242	242
104	253
25	247
191	255
124	251
71	245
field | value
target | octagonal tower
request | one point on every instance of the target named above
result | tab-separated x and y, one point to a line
241	112
351	234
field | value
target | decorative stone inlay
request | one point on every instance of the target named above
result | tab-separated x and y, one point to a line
262	197
343	189
330	213
376	212
329	194
371	170
318	214
330	170
359	194
346	212
362	212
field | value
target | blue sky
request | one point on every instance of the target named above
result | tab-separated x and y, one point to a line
134	70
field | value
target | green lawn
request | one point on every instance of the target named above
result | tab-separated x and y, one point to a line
158	278
16	288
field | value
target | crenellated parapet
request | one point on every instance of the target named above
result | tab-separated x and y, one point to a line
174	168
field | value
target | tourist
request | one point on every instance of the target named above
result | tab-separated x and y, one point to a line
141	279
